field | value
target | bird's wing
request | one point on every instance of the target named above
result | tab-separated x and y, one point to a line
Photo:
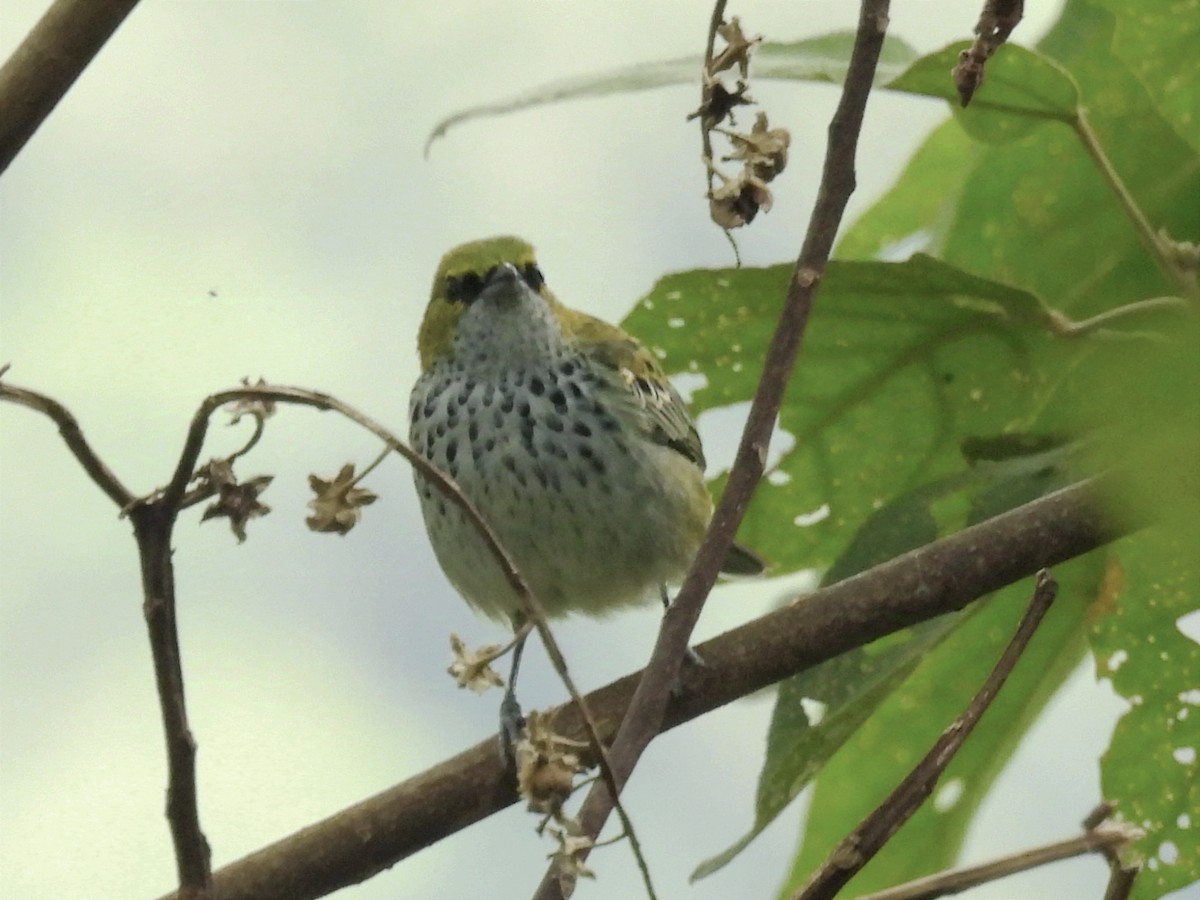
664	415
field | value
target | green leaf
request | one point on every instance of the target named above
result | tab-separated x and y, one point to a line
1021	90
850	688
822	59
1151	769
919	211
902	361
846	689
859	776
1145	410
1037	213
1158	42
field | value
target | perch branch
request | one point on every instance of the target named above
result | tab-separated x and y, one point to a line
941	577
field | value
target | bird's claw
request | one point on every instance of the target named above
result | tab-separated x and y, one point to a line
512	729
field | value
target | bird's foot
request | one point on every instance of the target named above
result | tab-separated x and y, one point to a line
512	729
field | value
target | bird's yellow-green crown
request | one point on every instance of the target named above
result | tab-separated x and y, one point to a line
441	316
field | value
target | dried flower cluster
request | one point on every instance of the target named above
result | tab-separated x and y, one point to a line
336	508
338	505
472	668
235	501
546	768
763	152
260	408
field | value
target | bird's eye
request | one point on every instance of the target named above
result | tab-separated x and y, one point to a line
463	288
533	276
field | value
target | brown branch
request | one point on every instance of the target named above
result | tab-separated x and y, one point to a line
72	435
1104	837
44	67
358	842
1120	882
860	846
996	23
153	523
714	22
645	714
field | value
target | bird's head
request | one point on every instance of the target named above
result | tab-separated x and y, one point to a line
489	293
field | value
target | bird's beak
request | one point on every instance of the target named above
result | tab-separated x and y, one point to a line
504	283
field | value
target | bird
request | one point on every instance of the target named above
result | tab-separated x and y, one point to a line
565	434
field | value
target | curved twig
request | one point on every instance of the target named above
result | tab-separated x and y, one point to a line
72	435
173	496
645	714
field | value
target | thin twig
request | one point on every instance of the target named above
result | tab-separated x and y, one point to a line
153	521
260	425
372	466
996	23
72	435
939	578
860	846
1120	882
1062	326
154	518
645	716
1105	836
48	61
714	22
1184	279
1121	875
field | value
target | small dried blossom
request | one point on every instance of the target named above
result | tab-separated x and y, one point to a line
546	768
236	501
259	407
737	201
764	150
473	668
338	505
568	858
718	102
737	49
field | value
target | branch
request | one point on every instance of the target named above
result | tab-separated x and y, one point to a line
858	847
646	711
1183	276
72	435
1105	837
375	834
44	67
153	523
996	23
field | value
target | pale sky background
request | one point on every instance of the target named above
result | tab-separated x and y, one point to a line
271	153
